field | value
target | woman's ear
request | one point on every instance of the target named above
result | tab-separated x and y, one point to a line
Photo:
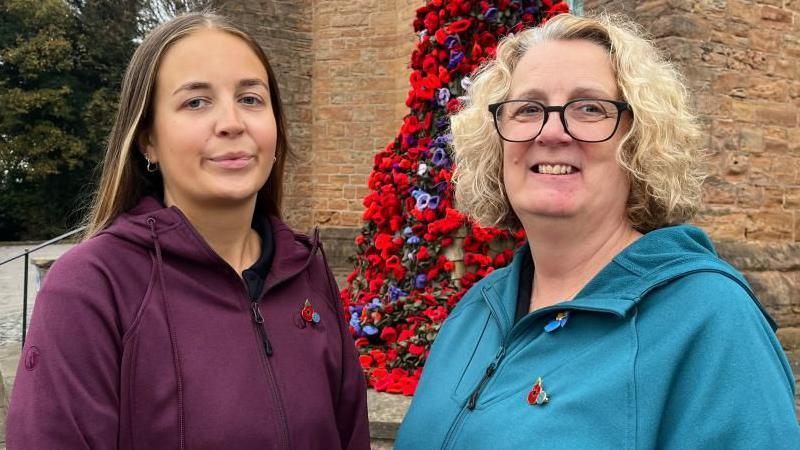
144	142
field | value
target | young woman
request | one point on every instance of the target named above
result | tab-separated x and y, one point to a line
191	317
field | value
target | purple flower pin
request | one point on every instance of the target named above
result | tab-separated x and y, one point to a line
395	293
439	157
419	281
433	203
443	96
442	140
375	303
422	201
455	59
355	323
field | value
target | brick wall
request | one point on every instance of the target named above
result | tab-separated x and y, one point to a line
360	80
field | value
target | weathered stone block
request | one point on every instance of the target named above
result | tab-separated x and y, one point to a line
770	226
719	192
778	291
775	16
339	245
760	256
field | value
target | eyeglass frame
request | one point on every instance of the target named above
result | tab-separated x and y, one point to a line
621	108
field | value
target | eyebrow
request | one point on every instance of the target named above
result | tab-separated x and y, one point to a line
537	94
202	85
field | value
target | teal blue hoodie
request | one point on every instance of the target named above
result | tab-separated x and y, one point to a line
667	347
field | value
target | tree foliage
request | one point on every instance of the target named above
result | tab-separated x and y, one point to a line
60	67
61	64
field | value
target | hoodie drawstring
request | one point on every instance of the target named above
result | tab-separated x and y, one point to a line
172	338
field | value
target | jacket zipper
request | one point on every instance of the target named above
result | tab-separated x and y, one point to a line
490	369
487	374
258	322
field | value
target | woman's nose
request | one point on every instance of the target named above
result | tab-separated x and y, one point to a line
553	132
230	121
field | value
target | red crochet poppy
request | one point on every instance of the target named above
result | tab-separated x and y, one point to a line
307	313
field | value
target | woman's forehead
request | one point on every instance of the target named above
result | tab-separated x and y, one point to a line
209	54
570	67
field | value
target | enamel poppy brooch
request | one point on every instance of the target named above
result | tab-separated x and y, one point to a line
308	314
537	395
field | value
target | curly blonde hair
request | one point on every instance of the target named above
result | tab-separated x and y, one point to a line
659	153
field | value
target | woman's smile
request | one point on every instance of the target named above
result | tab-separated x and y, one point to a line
233	161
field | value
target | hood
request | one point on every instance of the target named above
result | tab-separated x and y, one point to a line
150	224
655	259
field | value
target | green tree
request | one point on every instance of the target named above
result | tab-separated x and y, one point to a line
61	64
60	69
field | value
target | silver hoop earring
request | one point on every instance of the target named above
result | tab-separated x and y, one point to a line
274	158
150	166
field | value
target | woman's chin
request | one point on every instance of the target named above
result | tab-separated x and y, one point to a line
563	209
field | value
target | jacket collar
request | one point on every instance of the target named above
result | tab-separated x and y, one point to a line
654	259
293	252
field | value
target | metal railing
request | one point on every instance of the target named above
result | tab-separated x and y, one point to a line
26	255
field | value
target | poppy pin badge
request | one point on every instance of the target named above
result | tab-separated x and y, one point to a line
308	314
537	395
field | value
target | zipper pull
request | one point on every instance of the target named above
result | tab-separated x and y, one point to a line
257	317
259	320
473	398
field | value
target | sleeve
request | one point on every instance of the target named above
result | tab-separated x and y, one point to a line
710	372
351	410
66	393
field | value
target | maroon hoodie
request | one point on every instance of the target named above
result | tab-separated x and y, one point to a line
144	338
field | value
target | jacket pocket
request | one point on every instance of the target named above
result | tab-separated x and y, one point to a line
468	343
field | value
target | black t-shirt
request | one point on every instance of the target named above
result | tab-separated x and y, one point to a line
255	276
525	287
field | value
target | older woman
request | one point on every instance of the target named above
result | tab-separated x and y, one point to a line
617	326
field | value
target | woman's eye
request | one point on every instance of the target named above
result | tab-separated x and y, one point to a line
592	108
528	110
251	100
195	103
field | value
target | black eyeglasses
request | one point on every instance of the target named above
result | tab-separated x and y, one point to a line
585	119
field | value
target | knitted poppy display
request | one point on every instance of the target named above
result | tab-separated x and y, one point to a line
403	286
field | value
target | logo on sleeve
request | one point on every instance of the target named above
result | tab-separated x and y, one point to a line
32	356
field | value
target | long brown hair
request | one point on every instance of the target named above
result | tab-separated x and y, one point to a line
124	179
